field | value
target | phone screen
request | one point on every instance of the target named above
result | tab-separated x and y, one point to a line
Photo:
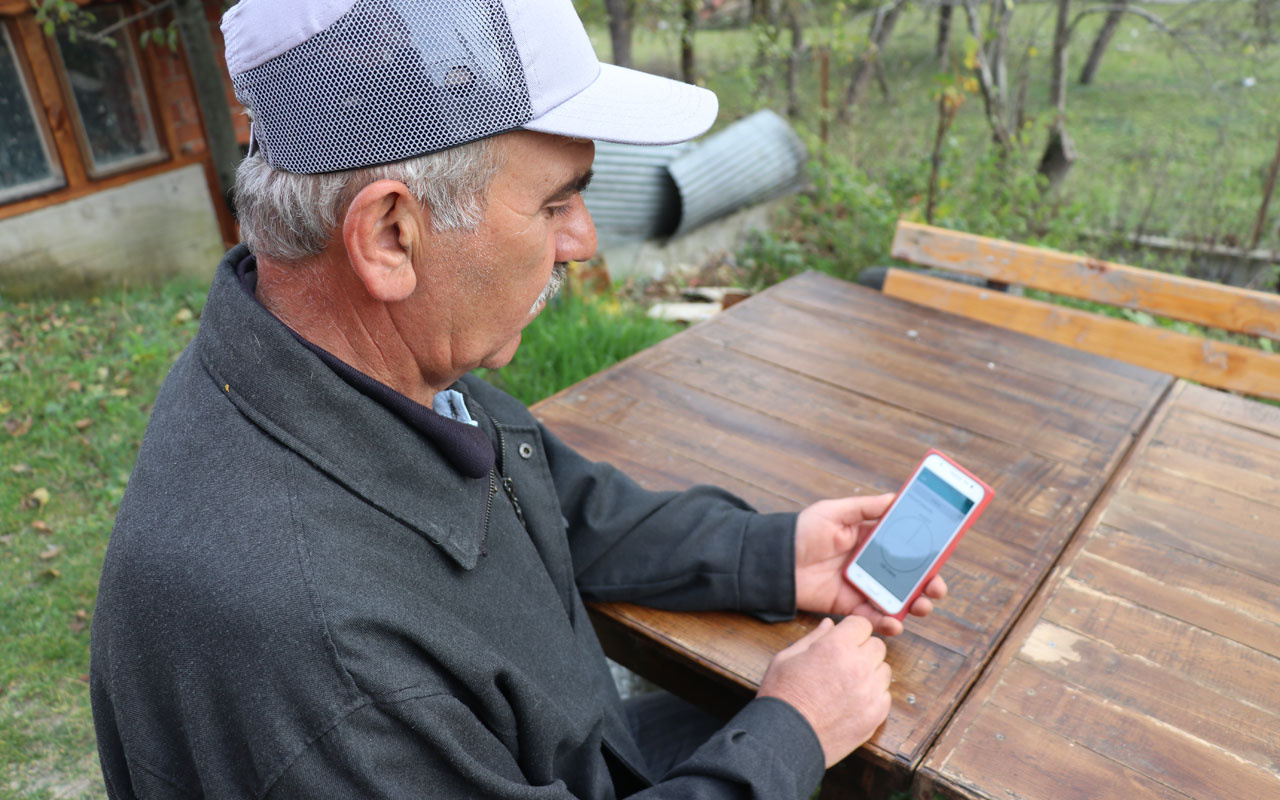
917	530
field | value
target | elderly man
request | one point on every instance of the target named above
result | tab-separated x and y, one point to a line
345	568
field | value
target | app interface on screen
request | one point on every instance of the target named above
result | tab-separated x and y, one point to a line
906	544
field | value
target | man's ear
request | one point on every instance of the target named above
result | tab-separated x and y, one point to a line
382	229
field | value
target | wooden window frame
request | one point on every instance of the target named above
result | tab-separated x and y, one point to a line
125	39
58	179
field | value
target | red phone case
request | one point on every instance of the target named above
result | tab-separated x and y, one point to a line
988	493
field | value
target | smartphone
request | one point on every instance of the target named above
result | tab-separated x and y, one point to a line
916	535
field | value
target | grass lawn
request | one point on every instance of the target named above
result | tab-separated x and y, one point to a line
77	378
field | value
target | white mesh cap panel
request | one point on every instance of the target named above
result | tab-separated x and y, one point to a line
390	79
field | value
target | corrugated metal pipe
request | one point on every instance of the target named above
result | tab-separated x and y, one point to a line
656	192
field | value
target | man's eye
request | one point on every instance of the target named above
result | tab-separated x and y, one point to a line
560	210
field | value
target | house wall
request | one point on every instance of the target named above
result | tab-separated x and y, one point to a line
140	232
154	219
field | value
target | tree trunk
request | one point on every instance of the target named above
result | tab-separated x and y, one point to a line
948	104
763	12
1060	153
206	72
689	20
1058	156
1100	45
992	95
767	35
795	22
944	34
1001	17
1262	19
1061	38
1267	193
881	27
619	12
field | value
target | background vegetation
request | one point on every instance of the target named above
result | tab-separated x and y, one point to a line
1175	137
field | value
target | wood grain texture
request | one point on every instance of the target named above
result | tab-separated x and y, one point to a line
1203	302
817	388
1155	647
1220	364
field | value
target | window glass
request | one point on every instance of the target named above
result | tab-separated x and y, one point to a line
115	118
26	166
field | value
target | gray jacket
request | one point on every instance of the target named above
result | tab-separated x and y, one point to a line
303	598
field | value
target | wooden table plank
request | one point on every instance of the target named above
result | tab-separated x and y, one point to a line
1156	645
817	388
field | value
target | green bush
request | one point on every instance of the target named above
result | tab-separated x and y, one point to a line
846	221
575	336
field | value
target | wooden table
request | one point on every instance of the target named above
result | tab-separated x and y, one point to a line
818	388
1149	665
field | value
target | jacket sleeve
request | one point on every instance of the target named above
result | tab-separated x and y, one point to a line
698	549
432	746
767	750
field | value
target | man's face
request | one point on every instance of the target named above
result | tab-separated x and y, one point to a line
501	273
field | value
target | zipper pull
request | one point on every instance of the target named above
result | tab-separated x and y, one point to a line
515	504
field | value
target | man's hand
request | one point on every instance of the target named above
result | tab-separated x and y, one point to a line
837	678
826	533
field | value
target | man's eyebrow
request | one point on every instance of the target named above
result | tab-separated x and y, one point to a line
571	187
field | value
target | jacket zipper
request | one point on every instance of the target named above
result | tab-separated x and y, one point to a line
488	510
507	485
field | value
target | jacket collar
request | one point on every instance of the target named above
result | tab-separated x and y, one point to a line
298	400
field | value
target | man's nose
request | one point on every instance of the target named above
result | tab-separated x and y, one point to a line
576	241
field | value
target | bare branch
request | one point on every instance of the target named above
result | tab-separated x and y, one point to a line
1122	7
104	34
1149	17
991	95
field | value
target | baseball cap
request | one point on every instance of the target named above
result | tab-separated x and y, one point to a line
340	84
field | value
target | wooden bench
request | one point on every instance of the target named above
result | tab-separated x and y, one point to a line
1239	368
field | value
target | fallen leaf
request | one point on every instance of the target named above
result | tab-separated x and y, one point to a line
51	573
42	526
52	551
82	614
183	315
84	678
75	386
5	408
81	424
103	373
76	625
120	392
18	428
7	539
21	468
37	499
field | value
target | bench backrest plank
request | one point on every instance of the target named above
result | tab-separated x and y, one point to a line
1202	302
1219	364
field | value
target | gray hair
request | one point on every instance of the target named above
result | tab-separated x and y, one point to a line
291	217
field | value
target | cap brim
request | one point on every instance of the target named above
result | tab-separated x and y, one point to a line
632	107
